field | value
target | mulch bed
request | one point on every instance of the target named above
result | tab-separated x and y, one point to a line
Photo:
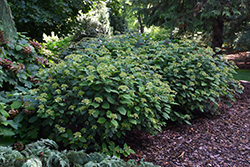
211	140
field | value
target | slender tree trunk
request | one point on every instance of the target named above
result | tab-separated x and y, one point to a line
218	26
141	28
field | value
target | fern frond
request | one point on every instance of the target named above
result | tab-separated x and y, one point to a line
9	157
33	162
78	157
58	159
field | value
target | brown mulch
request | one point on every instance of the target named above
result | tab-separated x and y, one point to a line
211	140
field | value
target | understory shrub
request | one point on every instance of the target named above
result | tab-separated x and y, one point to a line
45	153
89	101
199	78
91	98
19	62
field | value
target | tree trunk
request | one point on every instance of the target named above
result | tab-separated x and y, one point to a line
141	28
7	25
218	26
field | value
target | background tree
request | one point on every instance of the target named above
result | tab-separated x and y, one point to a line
44	16
214	16
95	23
7	25
117	15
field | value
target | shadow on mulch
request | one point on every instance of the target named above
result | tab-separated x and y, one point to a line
211	140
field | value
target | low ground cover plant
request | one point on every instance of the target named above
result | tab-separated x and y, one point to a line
45	153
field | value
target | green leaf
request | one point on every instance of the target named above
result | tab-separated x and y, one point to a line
108	113
126	101
141	89
82	139
95	105
96	114
30	108
62	104
4	113
115	123
133	121
166	116
127	96
33	133
187	122
137	108
203	84
19	117
97	87
158	107
13	124
7	140
111	100
101	120
107	89
33	119
106	105
118	134
2	119
69	133
19	47
16	105
122	110
210	78
7	132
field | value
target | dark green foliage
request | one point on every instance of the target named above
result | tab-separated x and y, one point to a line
92	99
112	85
117	17
37	17
19	63
198	78
240	41
58	47
45	153
189	15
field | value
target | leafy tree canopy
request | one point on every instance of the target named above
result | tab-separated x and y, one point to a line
44	16
202	15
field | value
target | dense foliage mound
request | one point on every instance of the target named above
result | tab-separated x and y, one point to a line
106	87
91	100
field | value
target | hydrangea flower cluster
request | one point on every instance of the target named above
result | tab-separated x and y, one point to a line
27	50
36	45
3	40
33	80
41	60
30	112
16	69
7	64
